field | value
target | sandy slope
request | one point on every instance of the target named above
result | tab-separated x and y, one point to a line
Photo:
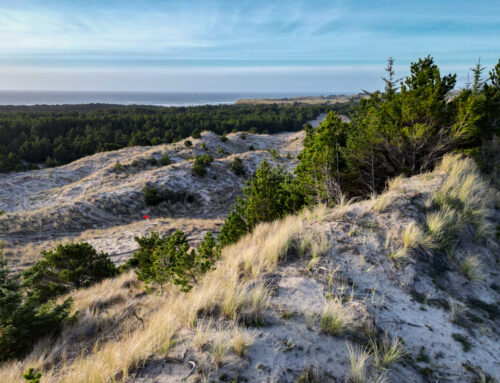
89	200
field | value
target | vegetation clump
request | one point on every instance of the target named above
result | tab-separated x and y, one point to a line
67	267
200	164
165	159
161	260
154	196
269	195
237	166
24	317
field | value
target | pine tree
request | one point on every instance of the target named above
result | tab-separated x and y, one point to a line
23	319
69	266
318	174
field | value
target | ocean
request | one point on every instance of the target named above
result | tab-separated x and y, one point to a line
139	98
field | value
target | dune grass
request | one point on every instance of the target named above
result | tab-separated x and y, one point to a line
226	290
336	318
472	268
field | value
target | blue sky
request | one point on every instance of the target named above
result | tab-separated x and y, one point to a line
231	45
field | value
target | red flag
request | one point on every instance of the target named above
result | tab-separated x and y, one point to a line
146	217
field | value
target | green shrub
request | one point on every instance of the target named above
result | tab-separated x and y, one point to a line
221	151
243	136
165	159
51	163
153	161
196	134
154	196
269	195
223	138
69	266
31	377
200	164
188	143
237	166
118	167
160	260
23	319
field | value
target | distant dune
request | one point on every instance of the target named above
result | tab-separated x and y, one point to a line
331	99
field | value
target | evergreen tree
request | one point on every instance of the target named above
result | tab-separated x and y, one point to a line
269	195
70	266
23	319
161	260
318	174
237	166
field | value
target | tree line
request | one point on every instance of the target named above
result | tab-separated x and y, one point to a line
55	135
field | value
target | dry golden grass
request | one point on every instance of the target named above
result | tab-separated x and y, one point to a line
472	268
336	319
382	201
413	236
358	358
396	183
386	351
226	288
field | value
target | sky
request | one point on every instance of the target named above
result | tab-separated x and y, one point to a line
237	45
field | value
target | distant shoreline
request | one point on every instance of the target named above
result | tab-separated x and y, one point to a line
163	99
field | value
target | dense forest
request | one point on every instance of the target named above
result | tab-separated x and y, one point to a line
55	135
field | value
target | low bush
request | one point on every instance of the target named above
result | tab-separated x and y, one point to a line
154	196
68	267
23	318
169	259
165	159
237	166
269	195
200	164
188	143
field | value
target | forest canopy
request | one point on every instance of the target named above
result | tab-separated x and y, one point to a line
56	135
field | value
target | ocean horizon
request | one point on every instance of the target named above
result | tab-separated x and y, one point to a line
138	98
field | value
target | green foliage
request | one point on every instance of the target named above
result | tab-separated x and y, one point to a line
237	166
153	161
242	136
118	167
318	174
165	159
269	195
200	164
23	319
51	163
275	154
223	138
31	377
153	196
196	134
221	151
61	134
69	266
398	131
188	143
160	260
